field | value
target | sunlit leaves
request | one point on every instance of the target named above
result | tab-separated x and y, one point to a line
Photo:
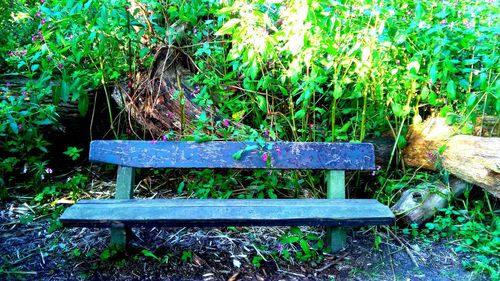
451	89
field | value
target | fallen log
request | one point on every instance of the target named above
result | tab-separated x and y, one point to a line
419	204
475	160
434	145
425	139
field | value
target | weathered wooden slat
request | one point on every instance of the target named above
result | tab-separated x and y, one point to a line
283	155
231	212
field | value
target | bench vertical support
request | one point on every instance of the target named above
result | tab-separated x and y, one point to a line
335	182
124	190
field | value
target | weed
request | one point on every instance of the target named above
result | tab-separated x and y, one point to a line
73	152
161	260
187	256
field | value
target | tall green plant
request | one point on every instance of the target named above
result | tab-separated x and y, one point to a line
352	66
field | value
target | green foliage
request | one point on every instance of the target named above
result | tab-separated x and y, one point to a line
76	252
79	44
258	184
295	245
22	142
349	66
187	256
310	245
257	261
73	152
53	190
16	29
161	260
475	230
108	254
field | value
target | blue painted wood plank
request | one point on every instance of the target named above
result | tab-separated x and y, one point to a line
230	212
282	155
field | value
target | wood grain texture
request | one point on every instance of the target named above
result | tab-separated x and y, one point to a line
187	155
475	160
230	212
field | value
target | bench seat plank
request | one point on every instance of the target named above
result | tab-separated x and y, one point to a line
218	154
230	212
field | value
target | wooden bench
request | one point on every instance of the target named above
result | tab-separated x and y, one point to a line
336	212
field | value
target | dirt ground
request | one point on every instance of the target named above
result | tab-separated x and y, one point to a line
30	252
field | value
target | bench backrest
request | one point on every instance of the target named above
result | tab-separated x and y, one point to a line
224	154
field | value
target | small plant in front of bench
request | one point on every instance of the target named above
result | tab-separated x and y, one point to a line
335	212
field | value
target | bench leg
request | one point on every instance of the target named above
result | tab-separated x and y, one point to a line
335	182
337	237
119	237
124	190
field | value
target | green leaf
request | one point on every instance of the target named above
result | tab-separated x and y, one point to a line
250	147
434	73
433	99
451	88
413	67
253	70
471	99
43	122
261	103
402	142
14	128
237	155
337	92
470	61
305	247
452	119
300	114
354	49
64	91
424	93
143	52
419	10
397	109
150	254
295	230
226	28
289	239
344	127
202	138
181	187
442	149
83	104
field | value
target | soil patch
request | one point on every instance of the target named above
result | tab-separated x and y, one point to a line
30	252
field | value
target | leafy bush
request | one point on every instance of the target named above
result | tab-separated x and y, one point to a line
16	29
349	66
22	142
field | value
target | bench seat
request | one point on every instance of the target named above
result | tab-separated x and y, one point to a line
228	212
